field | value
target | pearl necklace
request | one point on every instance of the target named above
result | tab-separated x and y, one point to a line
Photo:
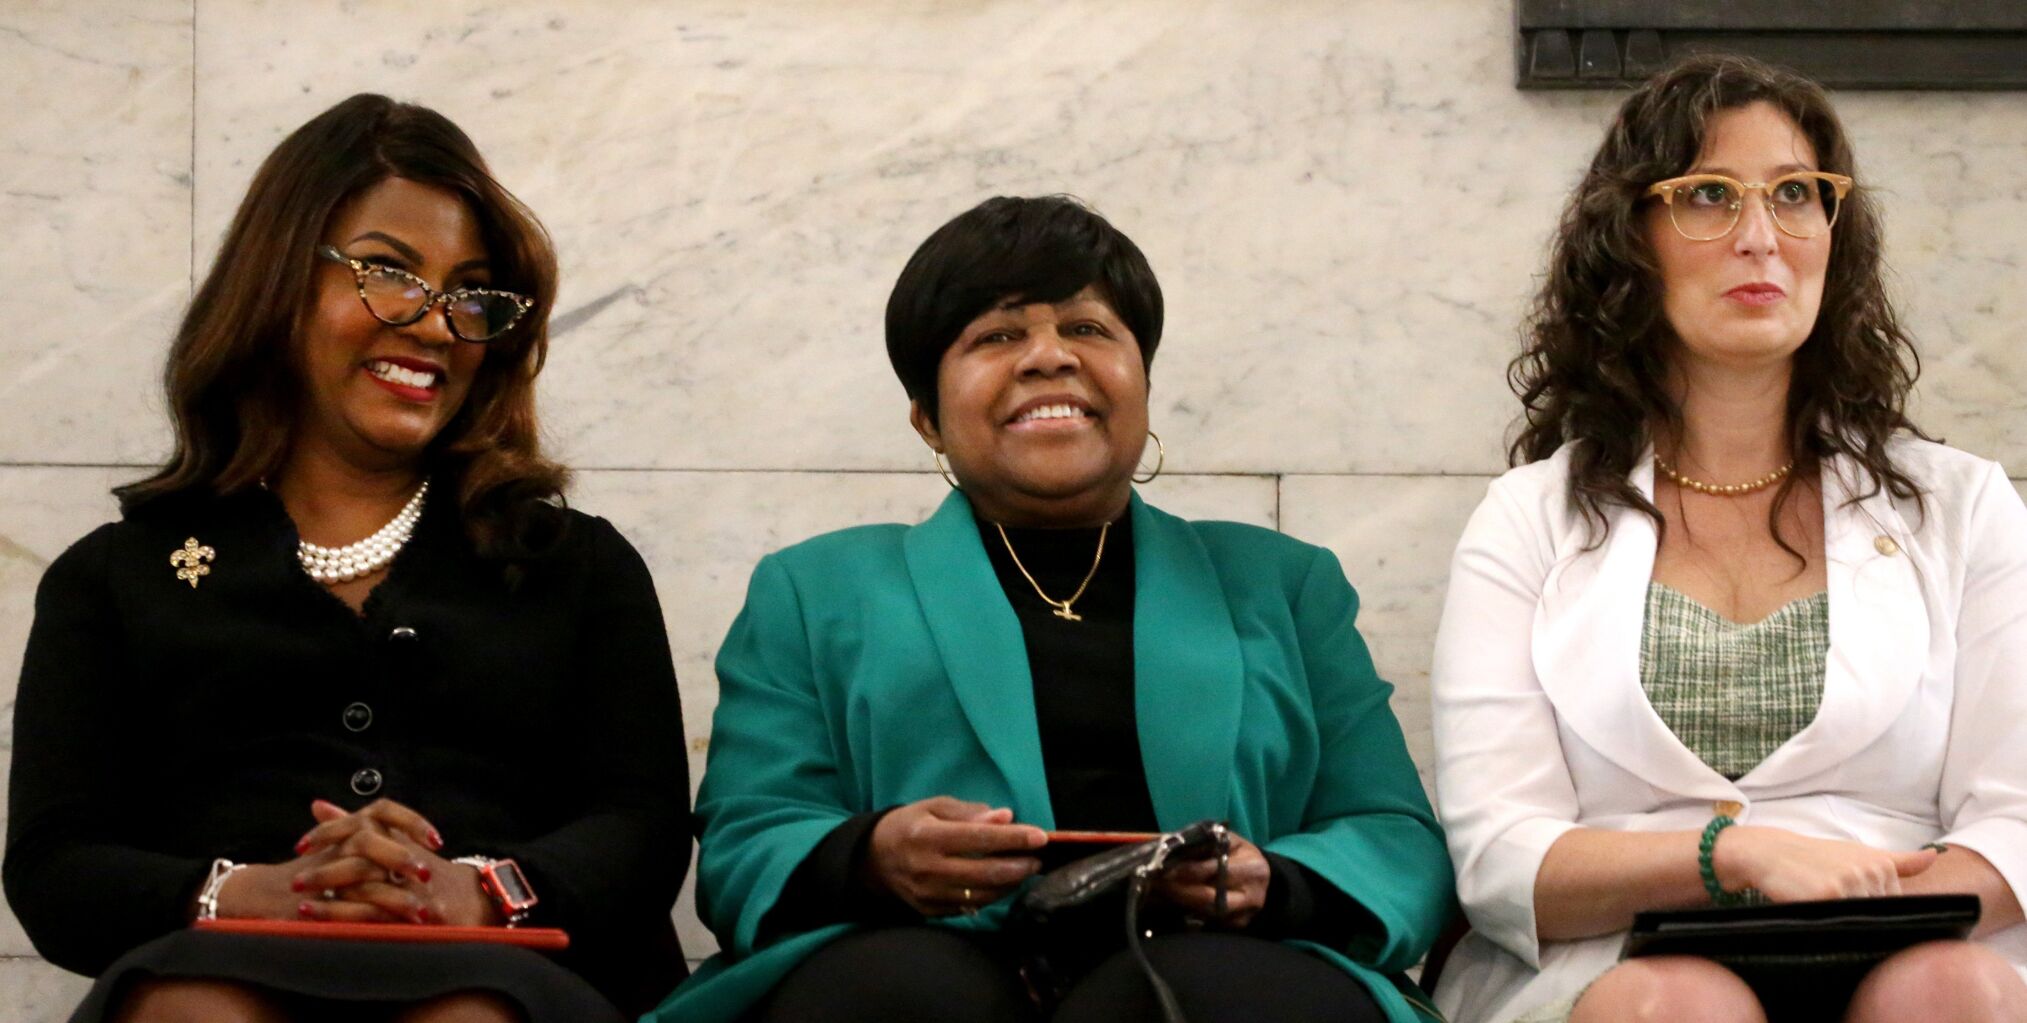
333	565
1723	489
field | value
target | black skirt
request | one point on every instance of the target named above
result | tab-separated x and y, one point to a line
343	974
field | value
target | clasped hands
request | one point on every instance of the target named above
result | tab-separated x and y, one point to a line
376	865
1786	867
943	855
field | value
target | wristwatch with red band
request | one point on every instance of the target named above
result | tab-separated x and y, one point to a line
503	882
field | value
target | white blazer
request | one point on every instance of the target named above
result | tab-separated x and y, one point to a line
1541	725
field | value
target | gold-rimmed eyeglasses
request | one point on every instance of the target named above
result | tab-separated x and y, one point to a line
1705	207
398	298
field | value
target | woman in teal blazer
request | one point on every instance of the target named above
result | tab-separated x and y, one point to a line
906	712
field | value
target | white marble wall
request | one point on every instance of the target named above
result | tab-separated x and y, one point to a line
1346	203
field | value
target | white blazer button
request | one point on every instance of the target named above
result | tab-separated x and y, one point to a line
1884	544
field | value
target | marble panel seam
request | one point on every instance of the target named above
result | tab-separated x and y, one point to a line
194	35
1259	474
1436	474
1278	477
4	464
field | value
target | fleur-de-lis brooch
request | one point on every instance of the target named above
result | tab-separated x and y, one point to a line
192	562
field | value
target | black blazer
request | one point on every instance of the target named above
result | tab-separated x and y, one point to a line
160	725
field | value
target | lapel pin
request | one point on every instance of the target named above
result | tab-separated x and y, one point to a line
1884	544
192	562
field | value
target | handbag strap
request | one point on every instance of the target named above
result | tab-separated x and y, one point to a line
1171	1011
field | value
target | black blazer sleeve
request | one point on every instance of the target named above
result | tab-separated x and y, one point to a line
84	895
825	887
1302	904
625	854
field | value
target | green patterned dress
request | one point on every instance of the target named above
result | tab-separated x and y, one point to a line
1733	693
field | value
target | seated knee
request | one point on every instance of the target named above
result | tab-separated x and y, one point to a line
197	1001
1653	990
1942	979
463	1007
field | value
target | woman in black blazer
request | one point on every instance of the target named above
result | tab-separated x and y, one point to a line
231	705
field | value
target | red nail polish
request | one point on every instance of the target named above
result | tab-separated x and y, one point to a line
306	911
296	884
435	840
426	914
422	873
302	847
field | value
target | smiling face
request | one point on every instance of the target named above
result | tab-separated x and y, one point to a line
376	394
1749	298
1042	411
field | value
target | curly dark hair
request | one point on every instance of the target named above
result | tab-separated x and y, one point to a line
1598	343
232	393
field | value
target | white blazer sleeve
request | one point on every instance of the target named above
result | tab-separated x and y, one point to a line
1984	783
1503	789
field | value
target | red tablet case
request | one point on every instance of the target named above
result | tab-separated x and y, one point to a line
546	938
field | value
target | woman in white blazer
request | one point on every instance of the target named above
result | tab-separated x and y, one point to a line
1714	457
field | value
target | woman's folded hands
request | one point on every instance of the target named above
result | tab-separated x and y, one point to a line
377	865
1786	867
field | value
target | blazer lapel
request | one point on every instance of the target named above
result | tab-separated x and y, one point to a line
979	640
1188	673
1587	655
1879	631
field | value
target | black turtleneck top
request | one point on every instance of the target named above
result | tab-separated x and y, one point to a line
1084	711
1082	670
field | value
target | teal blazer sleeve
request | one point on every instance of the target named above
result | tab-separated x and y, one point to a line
1368	827
773	790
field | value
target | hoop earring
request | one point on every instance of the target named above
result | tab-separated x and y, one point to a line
1160	459
945	473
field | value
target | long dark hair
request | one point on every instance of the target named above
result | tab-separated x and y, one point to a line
1598	342
233	395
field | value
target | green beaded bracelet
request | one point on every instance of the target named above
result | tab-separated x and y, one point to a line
1705	851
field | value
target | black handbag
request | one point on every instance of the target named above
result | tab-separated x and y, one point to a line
1076	884
1804	959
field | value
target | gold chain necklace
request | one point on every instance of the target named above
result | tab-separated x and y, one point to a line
1723	489
1062	606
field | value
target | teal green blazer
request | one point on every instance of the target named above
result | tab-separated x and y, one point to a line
881	665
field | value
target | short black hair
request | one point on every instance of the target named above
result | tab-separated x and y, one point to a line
1042	249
